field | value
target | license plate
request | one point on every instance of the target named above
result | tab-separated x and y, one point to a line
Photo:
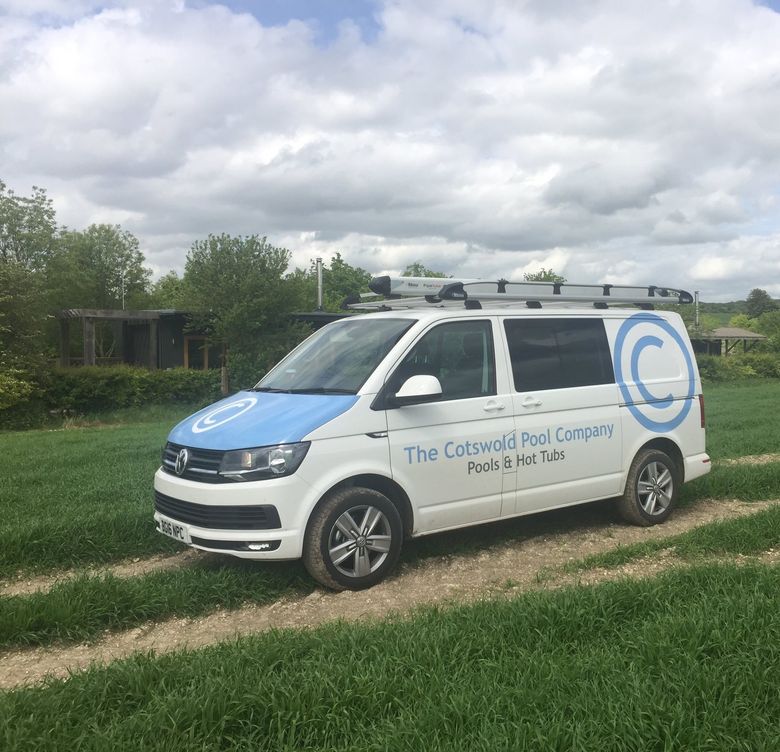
174	530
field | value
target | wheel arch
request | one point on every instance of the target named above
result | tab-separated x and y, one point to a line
668	447
386	486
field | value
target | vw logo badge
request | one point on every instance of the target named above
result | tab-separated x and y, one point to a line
181	461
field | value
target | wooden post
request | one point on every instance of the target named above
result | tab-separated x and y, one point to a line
223	372
64	343
89	341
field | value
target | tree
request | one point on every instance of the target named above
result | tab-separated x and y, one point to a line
22	347
339	281
167	292
543	275
101	267
240	294
28	229
417	269
758	302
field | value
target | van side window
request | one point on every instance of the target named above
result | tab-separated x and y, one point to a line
460	354
558	353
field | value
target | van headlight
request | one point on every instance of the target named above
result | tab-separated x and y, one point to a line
263	462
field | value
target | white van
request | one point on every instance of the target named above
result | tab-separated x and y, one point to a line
421	419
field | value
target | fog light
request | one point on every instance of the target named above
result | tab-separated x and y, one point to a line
263	545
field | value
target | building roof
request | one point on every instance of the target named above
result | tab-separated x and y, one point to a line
729	332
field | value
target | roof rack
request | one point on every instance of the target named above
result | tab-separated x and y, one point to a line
416	292
561	292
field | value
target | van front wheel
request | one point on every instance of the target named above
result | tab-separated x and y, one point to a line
651	488
353	539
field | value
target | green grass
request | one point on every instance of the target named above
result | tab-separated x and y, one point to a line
687	661
93	505
754	534
85	607
81	496
742	418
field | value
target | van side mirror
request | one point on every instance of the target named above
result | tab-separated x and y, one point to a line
416	390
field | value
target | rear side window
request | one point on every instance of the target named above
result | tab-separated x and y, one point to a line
558	353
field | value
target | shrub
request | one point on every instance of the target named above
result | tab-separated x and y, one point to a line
765	364
28	404
21	404
95	388
14	388
717	368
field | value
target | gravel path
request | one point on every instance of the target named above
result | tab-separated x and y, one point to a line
508	567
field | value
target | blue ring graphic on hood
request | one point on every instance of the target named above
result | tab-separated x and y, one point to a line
251	419
228	412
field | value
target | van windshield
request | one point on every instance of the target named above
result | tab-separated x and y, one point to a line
337	359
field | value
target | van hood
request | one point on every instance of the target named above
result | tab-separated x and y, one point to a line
252	419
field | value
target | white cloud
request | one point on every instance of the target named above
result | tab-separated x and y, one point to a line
614	141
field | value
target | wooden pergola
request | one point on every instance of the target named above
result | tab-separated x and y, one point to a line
729	337
88	317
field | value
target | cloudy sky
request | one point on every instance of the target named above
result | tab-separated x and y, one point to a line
618	141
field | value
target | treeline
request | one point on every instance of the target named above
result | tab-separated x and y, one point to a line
239	291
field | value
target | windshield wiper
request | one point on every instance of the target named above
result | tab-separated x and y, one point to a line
268	389
321	390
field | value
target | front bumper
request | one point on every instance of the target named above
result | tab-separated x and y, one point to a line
271	525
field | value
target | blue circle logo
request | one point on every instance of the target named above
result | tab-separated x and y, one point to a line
223	414
643	404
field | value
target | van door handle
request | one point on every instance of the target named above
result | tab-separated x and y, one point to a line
491	406
529	402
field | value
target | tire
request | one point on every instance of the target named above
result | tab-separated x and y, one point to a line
651	489
338	553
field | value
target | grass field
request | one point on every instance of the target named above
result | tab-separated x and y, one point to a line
596	668
687	661
83	496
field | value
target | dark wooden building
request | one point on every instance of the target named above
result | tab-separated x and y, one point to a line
153	339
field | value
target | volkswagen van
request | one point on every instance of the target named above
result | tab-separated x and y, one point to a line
415	420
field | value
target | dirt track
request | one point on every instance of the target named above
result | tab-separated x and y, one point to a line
535	562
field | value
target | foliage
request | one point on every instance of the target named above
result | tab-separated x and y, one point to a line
418	269
93	388
339	281
758	302
764	364
28	229
167	292
103	388
543	275
240	294
739	366
14	388
22	345
101	267
768	323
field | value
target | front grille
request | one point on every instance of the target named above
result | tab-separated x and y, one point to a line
251	517
203	464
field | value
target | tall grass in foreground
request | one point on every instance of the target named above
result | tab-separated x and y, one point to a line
85	607
688	661
741	536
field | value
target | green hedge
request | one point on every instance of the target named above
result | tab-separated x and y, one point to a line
96	388
740	366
